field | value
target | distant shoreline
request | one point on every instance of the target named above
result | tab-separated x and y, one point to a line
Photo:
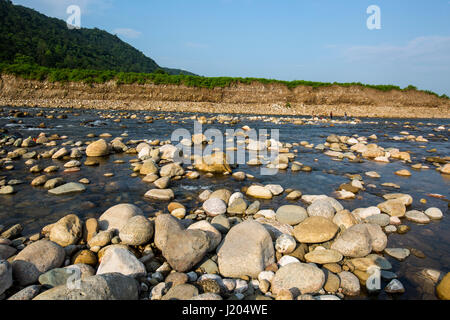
263	99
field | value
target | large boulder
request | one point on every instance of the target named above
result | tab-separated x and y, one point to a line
344	218
182	248
275	228
97	148
291	214
6	251
349	283
214	207
215	237
60	276
121	260
6	279
66	231
116	217
26	294
112	286
354	242
378	238
315	230
214	163
299	278
137	231
321	208
246	251
35	259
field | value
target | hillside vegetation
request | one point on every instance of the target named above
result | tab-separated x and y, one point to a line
48	42
29	71
36	47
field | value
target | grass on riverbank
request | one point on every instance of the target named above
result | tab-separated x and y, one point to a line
36	72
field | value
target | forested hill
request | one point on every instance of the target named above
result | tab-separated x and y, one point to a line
48	41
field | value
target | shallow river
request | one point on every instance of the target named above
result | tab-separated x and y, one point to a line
35	208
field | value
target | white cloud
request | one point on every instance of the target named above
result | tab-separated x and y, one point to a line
429	50
196	45
127	32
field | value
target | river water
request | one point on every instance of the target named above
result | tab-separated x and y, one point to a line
35	208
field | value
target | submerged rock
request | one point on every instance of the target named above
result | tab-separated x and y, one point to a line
398	253
67	188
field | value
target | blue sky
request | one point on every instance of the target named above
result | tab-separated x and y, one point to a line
317	40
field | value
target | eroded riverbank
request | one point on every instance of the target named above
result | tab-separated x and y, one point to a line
257	98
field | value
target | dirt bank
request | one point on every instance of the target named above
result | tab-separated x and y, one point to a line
256	98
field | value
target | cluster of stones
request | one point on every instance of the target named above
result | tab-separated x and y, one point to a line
229	248
321	252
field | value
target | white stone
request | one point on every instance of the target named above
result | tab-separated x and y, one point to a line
364	213
121	260
266	275
285	260
285	244
276	189
434	213
268	214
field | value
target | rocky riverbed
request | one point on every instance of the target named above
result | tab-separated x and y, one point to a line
97	205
